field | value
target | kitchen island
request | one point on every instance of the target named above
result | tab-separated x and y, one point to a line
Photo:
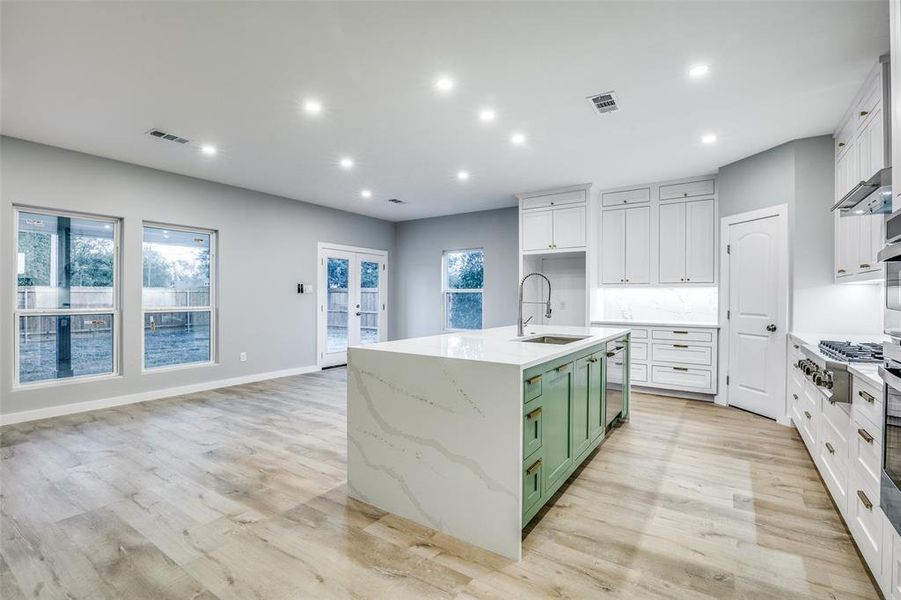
471	433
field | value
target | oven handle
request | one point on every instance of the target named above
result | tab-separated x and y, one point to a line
890	379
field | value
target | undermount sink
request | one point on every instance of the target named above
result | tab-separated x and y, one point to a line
555	339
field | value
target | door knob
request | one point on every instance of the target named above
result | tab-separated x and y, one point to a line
771	327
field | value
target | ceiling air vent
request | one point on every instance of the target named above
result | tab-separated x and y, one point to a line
604	102
171	137
396	201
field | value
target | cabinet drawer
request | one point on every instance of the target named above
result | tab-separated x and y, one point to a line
639	334
548	200
531	388
686	190
626	197
833	465
866	405
531	482
806	422
638	373
838	416
683	377
531	428
682	353
692	335
866	456
639	351
865	522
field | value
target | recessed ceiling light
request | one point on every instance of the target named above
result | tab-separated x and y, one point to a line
463	175
708	138
366	194
444	84
312	107
858	212
698	71
518	139
346	163
486	115
208	149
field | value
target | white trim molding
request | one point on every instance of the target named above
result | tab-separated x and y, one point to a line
80	407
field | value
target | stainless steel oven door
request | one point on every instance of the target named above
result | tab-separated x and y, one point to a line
891	443
890	256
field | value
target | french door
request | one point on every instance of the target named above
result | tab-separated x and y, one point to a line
352	301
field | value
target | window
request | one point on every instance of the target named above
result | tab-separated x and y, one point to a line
463	277
178	296
67	301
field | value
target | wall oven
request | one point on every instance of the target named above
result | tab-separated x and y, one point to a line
890	373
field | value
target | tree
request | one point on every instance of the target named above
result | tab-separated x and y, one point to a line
91	262
36	248
157	272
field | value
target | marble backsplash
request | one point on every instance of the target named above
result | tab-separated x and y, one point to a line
678	304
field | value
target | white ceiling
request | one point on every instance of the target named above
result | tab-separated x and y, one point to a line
95	76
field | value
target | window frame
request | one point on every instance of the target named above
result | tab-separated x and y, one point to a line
114	310
445	290
212	309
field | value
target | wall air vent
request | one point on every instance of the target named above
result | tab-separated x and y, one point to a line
396	201
171	137
604	102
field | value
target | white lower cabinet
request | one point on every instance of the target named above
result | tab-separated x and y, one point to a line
845	444
676	358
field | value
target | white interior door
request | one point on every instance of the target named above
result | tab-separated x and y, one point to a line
757	309
353	305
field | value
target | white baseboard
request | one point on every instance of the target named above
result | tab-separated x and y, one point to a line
79	407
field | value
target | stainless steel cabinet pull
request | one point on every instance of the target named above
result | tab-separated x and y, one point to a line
533	380
680	368
679	346
771	327
534	414
562	368
830	448
864	113
864	500
806	414
593	359
841	270
681	332
866	396
534	468
865	266
609	354
841	144
865	435
795	396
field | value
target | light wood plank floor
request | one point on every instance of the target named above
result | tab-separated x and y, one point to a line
239	493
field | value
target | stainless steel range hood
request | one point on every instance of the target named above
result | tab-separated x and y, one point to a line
873	196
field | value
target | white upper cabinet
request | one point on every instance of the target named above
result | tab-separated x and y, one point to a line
686	248
636	196
691	189
625	245
537	230
555	221
860	153
569	227
700	249
638	245
613	247
672	243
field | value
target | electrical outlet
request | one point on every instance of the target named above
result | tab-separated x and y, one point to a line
243	357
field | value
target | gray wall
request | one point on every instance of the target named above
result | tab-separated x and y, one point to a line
801	174
267	244
420	244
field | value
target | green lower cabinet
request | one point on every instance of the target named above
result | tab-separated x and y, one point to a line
595	396
557	420
581	425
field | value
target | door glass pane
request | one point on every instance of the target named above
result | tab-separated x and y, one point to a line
64	262
338	279
464	310
369	302
176	267
61	346
176	338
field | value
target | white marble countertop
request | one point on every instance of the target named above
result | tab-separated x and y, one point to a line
638	323
499	344
869	372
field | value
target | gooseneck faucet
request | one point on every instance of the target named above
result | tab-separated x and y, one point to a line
519	322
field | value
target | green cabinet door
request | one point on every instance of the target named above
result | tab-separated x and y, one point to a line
581	425
595	396
557	419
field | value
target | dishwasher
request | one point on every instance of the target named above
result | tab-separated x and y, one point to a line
613	391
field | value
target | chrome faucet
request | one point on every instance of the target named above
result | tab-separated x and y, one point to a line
519	322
